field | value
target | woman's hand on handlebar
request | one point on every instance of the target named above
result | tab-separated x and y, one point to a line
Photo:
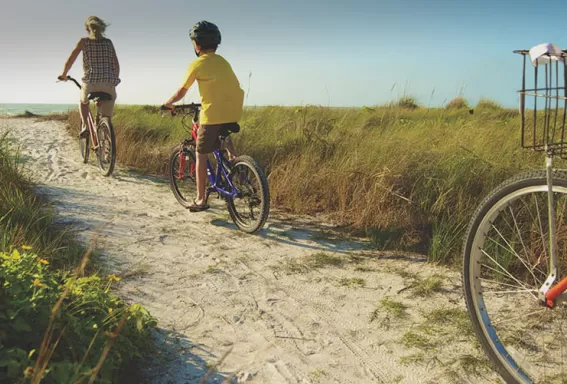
63	77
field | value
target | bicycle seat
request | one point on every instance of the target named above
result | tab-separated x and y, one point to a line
229	128
99	96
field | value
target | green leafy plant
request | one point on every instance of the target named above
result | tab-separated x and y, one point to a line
57	327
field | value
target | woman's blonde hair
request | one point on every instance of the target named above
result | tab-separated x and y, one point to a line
96	27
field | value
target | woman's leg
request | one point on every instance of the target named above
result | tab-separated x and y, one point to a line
84	105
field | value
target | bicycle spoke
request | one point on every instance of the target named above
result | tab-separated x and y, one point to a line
508	263
249	208
518	230
510	292
498	282
513	250
514	319
506	272
519	234
540	228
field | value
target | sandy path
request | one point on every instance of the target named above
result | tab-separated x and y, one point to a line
214	289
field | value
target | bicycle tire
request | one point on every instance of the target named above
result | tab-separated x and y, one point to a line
85	148
106	152
252	195
515	256
183	190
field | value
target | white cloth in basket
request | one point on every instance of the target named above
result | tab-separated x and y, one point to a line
544	53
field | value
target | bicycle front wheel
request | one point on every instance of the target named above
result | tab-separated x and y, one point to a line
250	208
182	175
106	152
506	261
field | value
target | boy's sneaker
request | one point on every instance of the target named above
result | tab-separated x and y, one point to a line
84	132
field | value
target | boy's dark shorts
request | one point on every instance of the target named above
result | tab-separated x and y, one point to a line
208	135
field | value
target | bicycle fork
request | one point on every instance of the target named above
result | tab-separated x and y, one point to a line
550	296
182	162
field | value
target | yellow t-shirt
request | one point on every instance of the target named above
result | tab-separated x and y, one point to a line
221	95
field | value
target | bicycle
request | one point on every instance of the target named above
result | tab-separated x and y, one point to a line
242	185
102	139
515	264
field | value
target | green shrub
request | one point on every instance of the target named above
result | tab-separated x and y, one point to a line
56	323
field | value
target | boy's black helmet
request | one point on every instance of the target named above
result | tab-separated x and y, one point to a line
205	34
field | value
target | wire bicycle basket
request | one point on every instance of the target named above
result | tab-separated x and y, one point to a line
543	106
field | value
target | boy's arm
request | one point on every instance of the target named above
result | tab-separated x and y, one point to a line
72	58
181	92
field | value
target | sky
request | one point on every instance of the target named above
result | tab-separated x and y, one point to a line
292	52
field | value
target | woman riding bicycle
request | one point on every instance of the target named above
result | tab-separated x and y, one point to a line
100	65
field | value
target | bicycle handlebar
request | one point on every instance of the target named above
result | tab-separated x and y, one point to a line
69	78
193	107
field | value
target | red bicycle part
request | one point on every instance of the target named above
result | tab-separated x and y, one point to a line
554	292
194	131
181	164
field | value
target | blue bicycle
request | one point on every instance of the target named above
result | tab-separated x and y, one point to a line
241	182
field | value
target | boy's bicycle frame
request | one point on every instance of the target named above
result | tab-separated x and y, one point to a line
241	183
216	178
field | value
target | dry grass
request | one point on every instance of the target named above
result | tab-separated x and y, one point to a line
458	102
428	286
488	104
410	177
388	308
314	261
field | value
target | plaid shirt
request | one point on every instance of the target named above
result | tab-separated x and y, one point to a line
98	62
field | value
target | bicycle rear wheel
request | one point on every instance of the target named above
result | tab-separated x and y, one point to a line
250	208
183	184
106	152
506	261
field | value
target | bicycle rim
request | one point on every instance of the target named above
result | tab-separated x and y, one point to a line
506	261
249	210
183	187
106	151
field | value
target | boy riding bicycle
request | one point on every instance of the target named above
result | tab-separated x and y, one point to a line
221	98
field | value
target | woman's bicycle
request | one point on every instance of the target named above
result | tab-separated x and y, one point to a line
515	250
101	137
240	182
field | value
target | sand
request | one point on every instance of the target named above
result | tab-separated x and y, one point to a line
261	301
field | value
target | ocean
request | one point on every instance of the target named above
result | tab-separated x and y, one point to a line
38	109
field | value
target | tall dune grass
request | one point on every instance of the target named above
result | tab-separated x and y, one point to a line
408	177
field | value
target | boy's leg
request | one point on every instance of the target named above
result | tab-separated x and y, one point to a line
207	141
201	176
